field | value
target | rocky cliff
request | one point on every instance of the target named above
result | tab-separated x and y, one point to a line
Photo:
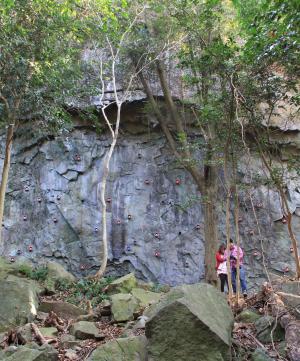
155	221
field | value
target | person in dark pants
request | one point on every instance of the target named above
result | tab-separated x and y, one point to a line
236	252
221	266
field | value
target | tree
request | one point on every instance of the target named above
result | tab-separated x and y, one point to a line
40	44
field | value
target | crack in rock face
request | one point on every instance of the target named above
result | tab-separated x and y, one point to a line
154	216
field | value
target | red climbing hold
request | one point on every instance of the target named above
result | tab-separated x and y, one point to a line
240	219
82	267
156	235
157	253
178	181
286	269
108	200
147	181
255	254
283	220
12	259
198	226
118	221
24	218
30	248
291	249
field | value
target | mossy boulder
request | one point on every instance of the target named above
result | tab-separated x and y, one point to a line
192	323
260	355
56	272
123	285
83	330
30	353
123	307
145	297
122	349
248	316
264	326
48	332
19	301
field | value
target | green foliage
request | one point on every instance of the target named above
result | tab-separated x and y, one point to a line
85	289
38	274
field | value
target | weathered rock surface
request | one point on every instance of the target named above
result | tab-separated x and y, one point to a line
191	323
248	316
122	349
123	306
290	294
260	355
57	192
18	301
62	309
264	326
83	330
48	332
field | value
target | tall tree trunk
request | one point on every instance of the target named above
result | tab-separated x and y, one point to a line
106	164
5	172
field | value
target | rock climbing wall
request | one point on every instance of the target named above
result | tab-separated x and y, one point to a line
155	220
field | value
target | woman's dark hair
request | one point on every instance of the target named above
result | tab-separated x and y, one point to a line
222	248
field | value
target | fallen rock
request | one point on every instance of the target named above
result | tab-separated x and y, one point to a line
49	332
71	354
264	326
83	330
24	334
145	297
192	323
122	349
68	341
105	308
123	285
62	309
123	307
19	301
248	316
58	272
26	353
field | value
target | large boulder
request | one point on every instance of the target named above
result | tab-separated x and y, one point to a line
56	272
290	294
248	316
123	285
62	309
19	301
122	349
123	307
190	323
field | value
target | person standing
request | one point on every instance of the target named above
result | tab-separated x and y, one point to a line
221	266
236	252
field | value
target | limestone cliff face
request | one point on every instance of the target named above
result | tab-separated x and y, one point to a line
155	220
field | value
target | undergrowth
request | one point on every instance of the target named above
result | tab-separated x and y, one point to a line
83	290
38	274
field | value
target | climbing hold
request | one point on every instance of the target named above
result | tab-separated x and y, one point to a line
39	199
24	218
58	197
256	254
77	157
140	156
26	189
128	249
30	248
108	200
186	264
55	220
118	221
251	232
156	235
82	267
162	202
19	252
129	216
240	219
157	253
259	205
147	181
178	181
179	233
135	242
283	220
12	259
286	269
198	226
96	229
291	249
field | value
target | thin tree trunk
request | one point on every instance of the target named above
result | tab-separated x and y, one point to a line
5	172
237	236
106	164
